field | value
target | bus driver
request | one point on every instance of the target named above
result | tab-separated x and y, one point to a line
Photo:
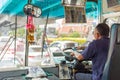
97	51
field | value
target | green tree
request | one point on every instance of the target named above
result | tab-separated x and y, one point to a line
38	33
20	32
74	34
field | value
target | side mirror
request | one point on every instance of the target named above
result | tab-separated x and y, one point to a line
32	10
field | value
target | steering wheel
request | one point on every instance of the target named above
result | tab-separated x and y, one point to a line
78	65
66	52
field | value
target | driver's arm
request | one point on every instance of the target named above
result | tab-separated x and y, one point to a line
79	57
87	53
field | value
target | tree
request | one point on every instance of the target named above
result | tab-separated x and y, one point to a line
38	33
20	32
74	34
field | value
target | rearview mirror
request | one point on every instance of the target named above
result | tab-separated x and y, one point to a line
32	10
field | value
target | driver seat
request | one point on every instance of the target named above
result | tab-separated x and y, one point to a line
112	66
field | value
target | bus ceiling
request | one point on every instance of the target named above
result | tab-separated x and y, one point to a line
15	7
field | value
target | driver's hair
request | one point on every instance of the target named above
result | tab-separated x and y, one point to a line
103	29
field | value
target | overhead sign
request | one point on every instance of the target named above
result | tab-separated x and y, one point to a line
74	11
75	15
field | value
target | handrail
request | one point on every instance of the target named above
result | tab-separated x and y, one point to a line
6	48
5	45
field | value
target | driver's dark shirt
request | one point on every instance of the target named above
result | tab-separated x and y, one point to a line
97	51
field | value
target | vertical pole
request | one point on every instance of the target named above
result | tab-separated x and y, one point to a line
44	34
15	37
27	44
99	3
29	1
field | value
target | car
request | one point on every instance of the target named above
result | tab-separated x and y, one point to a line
57	46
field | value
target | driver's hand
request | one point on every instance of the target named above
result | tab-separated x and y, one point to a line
72	54
78	56
80	47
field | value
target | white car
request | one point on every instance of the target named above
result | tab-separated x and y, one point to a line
61	45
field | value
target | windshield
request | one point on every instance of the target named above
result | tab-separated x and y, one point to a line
58	20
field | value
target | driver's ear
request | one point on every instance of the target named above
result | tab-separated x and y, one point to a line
98	35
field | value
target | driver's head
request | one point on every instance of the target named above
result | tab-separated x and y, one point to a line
101	30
